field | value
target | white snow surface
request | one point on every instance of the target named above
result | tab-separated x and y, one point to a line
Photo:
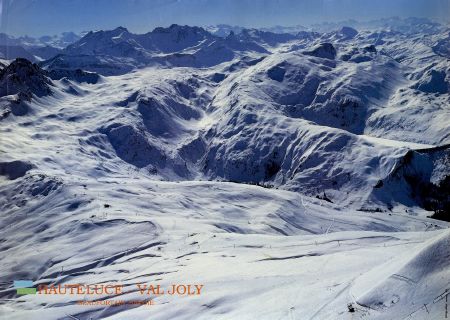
206	160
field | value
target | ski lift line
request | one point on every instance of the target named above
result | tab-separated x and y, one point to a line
329	227
424	306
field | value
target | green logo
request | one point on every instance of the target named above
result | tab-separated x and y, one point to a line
24	287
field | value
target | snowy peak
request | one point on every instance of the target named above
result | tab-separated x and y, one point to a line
266	37
103	35
223	30
307	35
118	51
56	41
8	40
408	26
120	29
9	52
34	49
173	38
120	42
181	32
113	42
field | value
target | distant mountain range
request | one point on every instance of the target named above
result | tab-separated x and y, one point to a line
35	49
46	47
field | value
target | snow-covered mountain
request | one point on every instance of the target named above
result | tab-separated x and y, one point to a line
34	49
223	30
304	164
411	25
56	41
118	51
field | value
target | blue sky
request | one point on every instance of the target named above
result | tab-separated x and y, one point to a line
40	17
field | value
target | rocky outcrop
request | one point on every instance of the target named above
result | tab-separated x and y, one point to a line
323	50
24	78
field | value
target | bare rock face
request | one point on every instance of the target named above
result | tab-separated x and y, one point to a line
348	32
323	50
24	78
15	169
434	81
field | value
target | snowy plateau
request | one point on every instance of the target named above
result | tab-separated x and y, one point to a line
293	174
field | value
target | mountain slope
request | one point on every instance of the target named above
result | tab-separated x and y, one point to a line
309	164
